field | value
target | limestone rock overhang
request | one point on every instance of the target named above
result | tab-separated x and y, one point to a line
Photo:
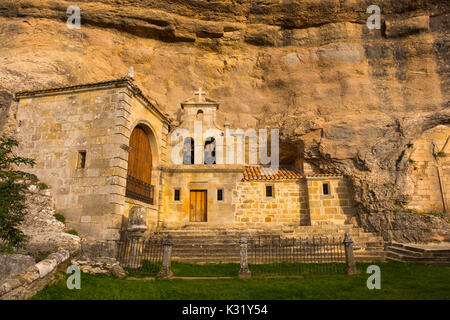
125	82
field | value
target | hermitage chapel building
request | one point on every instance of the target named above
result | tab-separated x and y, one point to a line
104	148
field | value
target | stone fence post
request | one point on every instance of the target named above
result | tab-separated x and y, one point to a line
349	256
244	272
135	233
166	270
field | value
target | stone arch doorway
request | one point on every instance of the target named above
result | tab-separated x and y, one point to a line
140	158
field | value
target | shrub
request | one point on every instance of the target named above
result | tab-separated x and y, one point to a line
72	231
42	186
60	217
13	188
441	154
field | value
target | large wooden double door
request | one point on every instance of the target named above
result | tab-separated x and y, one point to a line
139	179
198	206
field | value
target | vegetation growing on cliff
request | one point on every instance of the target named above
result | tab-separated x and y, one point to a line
13	187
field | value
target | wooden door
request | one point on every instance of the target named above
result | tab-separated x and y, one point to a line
139	165
198	206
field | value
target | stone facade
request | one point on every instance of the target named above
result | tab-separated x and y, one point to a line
56	126
336	207
80	138
288	205
430	171
299	202
219	213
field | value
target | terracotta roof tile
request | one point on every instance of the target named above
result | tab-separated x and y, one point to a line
252	173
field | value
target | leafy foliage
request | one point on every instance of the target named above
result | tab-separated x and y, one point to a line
60	217
13	187
72	232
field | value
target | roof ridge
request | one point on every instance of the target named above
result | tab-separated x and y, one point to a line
81	85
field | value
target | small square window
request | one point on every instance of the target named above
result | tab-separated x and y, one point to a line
176	195
269	191
326	188
81	164
219	195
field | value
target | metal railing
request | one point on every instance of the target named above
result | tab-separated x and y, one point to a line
138	255
139	190
273	255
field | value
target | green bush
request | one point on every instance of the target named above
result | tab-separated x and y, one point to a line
72	231
13	188
42	186
60	217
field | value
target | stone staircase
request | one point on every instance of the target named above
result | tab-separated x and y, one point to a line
436	254
214	245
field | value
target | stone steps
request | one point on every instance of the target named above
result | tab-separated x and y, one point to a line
198	243
427	254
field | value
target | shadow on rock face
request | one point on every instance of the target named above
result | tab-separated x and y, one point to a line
5	99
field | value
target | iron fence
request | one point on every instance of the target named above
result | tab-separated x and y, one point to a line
139	255
273	255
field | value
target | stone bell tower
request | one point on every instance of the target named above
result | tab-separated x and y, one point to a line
199	108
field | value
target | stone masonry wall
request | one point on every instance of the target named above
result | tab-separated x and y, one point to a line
219	212
289	206
52	129
426	182
334	208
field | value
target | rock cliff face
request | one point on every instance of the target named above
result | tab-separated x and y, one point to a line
346	98
44	233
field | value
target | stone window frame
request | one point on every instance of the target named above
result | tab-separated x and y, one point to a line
330	194
327	184
265	191
175	193
217	195
81	159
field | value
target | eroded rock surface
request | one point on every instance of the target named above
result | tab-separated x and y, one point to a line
100	265
409	227
13	264
347	99
45	234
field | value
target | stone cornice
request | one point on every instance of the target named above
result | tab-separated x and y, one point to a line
205	169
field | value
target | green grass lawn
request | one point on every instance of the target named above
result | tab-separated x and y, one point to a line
398	281
231	269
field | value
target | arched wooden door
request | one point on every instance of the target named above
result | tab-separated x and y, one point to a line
140	167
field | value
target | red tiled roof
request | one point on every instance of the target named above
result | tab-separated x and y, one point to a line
252	173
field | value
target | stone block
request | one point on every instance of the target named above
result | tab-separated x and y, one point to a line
331	210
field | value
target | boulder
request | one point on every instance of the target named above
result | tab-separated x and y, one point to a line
13	264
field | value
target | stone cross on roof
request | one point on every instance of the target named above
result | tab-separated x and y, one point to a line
131	73
201	95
